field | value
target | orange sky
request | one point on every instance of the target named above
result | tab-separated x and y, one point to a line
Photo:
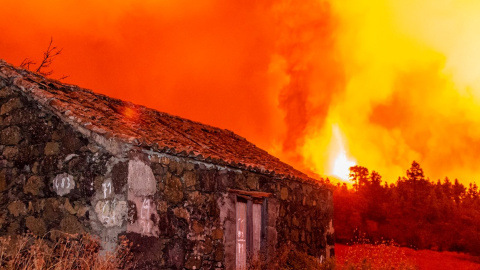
318	84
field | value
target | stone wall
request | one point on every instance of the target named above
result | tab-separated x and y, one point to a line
194	214
182	226
49	173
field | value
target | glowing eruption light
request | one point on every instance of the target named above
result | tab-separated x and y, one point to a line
341	164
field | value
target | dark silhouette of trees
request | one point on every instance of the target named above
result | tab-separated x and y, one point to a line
359	176
415	177
414	211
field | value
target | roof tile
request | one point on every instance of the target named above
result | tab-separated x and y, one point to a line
144	127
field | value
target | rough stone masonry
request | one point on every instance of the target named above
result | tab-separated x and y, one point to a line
74	161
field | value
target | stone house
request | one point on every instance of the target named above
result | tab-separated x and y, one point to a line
188	195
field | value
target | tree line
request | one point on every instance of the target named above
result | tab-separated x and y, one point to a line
414	211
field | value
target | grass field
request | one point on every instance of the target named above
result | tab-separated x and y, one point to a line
81	252
423	259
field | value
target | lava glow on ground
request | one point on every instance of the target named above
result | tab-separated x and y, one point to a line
397	80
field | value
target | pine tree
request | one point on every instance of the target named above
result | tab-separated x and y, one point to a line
415	175
359	175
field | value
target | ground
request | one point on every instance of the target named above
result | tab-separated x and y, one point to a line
430	260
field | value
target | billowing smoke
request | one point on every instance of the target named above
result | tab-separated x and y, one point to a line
412	87
313	82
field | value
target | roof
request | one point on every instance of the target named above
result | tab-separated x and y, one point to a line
139	126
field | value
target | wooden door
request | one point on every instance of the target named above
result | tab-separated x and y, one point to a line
241	242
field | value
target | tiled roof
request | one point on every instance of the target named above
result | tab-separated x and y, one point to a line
142	127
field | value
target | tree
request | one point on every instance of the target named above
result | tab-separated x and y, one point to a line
473	191
447	188
458	192
445	215
375	178
415	173
414	176
359	176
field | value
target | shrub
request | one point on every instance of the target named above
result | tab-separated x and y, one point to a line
66	252
288	258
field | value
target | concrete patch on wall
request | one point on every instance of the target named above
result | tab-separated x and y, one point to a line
110	203
141	180
111	213
109	238
63	184
108	190
145	218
